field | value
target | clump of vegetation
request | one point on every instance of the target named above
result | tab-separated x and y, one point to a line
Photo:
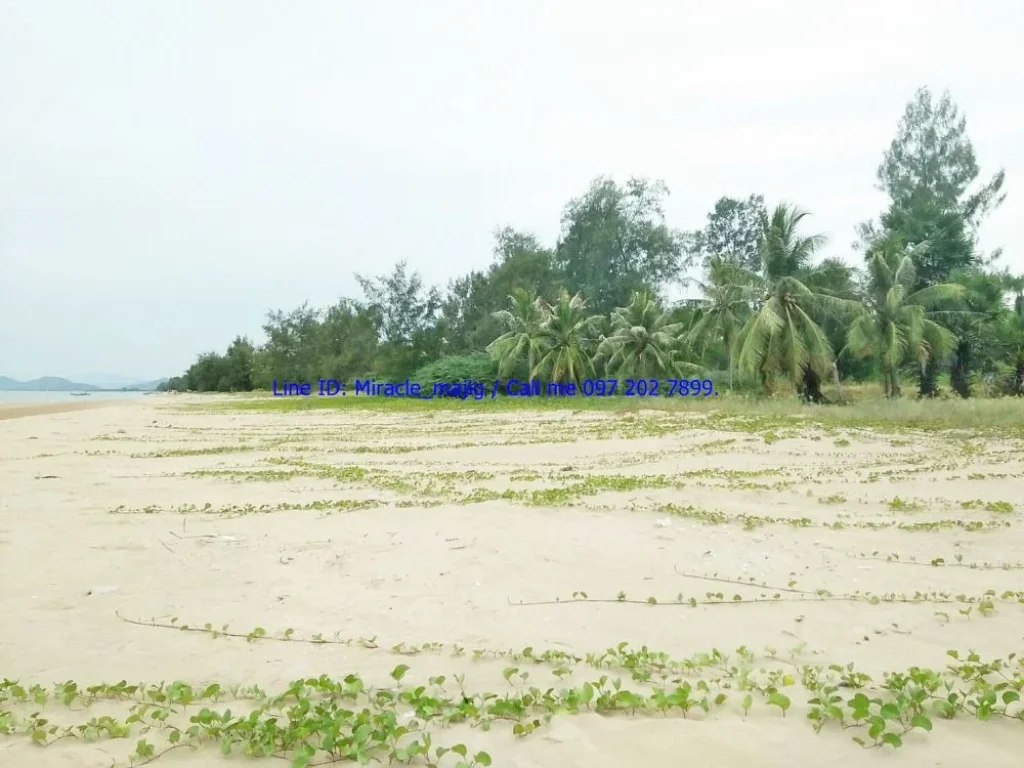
835	498
329	719
899	505
771	314
1003	507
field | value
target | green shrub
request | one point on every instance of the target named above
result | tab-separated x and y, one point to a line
455	369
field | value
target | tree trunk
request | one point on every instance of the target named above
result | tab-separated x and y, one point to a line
959	374
929	380
810	387
835	378
1018	380
892	383
727	340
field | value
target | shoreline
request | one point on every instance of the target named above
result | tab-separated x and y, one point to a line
19	411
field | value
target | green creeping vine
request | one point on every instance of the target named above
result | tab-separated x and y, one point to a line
986	602
316	721
940	562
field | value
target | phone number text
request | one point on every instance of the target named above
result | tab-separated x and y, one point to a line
613	387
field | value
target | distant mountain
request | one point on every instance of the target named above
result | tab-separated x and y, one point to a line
57	384
147	386
45	384
105	380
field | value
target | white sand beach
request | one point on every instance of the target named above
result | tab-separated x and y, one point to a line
100	518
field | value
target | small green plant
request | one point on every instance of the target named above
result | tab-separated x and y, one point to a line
1001	507
835	498
899	505
319	720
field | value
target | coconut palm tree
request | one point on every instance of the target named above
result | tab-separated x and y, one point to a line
523	320
644	342
728	293
566	339
1011	337
975	326
898	324
782	335
1010	333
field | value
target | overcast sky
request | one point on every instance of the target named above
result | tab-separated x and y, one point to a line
170	171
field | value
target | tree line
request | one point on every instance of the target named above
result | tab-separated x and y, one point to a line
775	310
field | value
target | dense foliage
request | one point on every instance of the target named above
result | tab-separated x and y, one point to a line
774	309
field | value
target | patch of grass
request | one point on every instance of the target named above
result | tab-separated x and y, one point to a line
835	498
714	445
975	416
717	517
690	512
899	505
1001	507
209	451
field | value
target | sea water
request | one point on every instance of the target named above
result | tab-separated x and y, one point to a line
32	398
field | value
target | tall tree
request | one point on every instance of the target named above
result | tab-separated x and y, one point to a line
834	277
1010	333
975	328
1011	341
644	342
405	312
929	173
521	340
519	262
400	302
729	290
567	339
291	348
615	242
732	233
782	335
463	309
922	219
239	366
348	343
932	151
897	325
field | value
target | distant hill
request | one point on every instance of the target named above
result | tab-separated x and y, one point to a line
57	384
45	384
147	386
108	380
104	380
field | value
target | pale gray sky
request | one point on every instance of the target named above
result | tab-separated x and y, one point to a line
170	171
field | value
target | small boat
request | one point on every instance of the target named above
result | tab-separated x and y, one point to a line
80	394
